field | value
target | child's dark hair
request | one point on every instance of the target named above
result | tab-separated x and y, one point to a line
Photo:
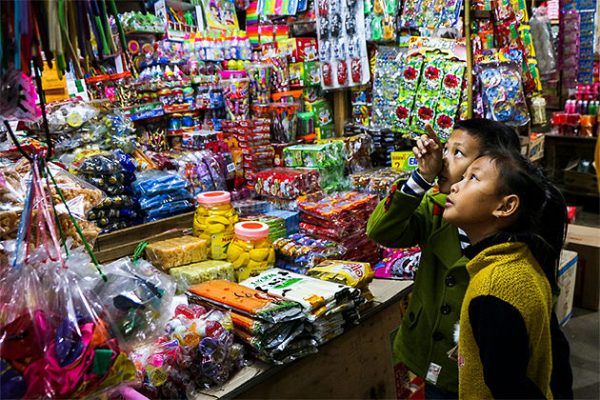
492	135
542	216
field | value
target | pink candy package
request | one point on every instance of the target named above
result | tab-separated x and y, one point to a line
398	264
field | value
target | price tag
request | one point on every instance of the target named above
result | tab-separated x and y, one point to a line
404	161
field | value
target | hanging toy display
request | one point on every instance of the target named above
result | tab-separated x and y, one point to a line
502	93
343	46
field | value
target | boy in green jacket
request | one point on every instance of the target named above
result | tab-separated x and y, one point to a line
413	215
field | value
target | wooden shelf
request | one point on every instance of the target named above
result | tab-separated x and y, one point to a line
363	351
574	138
482	14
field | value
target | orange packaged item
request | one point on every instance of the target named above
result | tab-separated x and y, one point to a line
245	301
176	252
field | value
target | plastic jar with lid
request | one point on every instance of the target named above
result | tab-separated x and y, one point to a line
214	221
251	252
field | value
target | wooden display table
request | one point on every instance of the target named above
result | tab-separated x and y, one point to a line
357	364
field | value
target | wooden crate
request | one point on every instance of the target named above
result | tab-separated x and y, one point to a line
123	242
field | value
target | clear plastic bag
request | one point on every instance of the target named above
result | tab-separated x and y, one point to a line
24	333
543	42
136	296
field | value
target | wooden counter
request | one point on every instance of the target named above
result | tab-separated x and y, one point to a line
357	364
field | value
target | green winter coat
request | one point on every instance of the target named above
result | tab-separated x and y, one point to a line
427	331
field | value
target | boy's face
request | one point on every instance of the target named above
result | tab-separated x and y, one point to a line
473	200
459	152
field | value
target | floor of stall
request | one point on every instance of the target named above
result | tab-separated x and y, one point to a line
583	334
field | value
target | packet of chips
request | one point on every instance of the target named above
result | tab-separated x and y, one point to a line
350	273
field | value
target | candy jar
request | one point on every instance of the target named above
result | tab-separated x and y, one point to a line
214	221
251	252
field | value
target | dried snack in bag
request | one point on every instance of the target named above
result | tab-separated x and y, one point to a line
351	273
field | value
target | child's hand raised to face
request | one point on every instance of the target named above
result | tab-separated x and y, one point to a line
429	154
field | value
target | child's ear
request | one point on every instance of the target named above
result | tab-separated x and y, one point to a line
508	206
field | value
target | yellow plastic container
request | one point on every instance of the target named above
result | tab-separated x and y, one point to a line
214	221
251	252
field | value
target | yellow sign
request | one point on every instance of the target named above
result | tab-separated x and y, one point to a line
404	161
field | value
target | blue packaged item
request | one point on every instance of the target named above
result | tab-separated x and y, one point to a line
158	182
168	209
291	218
156	201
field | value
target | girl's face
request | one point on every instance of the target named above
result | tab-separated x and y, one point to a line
473	201
459	152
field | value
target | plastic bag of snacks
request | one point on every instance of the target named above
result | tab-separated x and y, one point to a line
135	294
24	337
196	351
351	273
398	264
299	252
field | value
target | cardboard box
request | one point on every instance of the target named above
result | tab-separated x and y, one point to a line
567	274
536	148
580	181
586	242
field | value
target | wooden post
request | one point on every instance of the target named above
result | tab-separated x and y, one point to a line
467	5
340	110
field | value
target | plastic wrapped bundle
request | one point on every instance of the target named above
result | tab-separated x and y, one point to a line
398	264
201	272
341	217
329	307
195	352
318	297
299	252
176	252
350	273
245	301
162	195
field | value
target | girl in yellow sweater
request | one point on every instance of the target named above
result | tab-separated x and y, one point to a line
515	220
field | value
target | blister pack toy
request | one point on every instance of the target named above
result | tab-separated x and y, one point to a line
502	93
342	43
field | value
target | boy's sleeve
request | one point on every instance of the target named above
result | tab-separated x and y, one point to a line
403	218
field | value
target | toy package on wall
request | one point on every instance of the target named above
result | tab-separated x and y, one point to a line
342	43
220	14
502	93
380	20
412	91
430	16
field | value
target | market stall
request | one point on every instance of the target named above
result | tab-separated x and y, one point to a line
185	185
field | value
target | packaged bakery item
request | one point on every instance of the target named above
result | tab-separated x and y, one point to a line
201	272
351	273
176	252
